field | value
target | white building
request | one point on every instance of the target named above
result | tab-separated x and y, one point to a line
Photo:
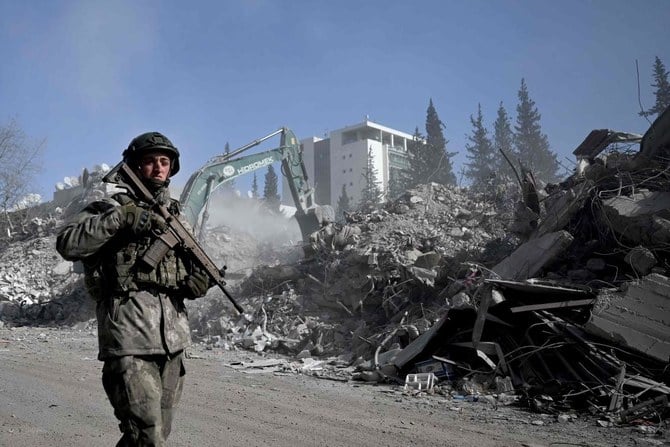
341	159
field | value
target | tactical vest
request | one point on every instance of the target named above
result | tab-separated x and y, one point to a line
119	268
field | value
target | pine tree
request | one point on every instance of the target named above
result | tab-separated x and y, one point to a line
270	190
371	194
436	150
254	187
662	91
503	143
343	204
399	182
480	169
532	146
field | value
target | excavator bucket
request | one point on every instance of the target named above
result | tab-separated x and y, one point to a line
308	223
314	219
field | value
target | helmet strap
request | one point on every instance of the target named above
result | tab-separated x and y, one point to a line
154	185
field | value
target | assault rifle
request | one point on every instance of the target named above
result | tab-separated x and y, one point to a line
175	234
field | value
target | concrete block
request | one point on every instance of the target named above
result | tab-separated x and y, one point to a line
62	268
641	259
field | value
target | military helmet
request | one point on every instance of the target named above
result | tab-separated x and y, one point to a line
152	141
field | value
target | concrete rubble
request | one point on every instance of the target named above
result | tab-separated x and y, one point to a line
557	299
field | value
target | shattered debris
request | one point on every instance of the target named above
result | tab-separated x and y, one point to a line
559	301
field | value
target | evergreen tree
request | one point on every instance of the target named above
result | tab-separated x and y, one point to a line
270	190
371	194
532	146
343	204
436	150
503	143
399	182
481	168
662	91
254	187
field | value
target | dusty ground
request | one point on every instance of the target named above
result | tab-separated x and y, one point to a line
50	394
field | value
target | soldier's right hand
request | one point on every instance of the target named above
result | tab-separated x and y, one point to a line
197	284
135	218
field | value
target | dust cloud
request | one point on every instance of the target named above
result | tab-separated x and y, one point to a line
249	215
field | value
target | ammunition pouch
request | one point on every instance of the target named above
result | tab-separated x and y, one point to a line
158	249
146	264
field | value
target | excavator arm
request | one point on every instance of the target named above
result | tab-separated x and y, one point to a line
224	168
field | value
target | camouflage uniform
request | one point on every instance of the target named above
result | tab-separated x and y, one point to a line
142	322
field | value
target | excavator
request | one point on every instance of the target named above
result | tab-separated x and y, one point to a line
223	168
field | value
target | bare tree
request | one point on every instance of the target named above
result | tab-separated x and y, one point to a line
20	161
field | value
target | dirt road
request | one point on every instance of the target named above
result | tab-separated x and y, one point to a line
51	395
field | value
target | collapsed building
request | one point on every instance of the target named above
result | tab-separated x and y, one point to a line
558	296
564	301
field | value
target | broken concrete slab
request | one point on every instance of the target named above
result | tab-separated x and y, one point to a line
563	208
596	141
428	260
632	217
638	317
531	257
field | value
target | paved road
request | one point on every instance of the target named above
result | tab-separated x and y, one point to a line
51	395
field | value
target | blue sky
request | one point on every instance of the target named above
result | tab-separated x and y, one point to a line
88	76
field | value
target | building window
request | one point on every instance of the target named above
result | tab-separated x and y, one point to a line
349	137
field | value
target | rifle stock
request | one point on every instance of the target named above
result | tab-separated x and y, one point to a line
176	234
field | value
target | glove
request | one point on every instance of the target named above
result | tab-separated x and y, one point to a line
135	218
197	284
158	224
139	220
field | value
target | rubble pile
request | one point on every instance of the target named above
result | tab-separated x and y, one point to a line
18	281
38	286
365	273
559	298
570	313
86	189
577	316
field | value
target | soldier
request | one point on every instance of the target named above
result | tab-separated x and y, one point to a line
142	323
